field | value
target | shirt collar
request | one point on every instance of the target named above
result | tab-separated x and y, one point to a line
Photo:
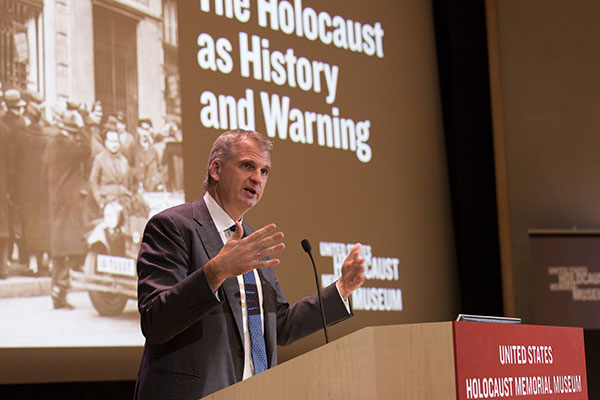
221	219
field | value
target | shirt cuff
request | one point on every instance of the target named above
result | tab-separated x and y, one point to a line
345	301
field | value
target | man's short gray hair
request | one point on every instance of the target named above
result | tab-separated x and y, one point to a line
224	146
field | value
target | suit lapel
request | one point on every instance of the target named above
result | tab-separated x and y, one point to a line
211	240
205	227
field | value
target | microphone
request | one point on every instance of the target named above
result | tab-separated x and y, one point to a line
307	248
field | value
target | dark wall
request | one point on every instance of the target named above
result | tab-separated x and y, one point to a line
463	70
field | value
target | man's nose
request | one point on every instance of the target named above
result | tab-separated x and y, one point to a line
255	176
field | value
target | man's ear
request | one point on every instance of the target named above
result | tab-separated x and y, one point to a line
214	169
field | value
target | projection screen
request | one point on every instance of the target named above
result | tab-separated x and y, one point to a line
347	91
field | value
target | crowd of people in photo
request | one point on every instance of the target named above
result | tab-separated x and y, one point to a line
58	170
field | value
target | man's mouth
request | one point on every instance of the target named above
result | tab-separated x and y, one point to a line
250	190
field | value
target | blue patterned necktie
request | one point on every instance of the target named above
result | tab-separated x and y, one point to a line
257	339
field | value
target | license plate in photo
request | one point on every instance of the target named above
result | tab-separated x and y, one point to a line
116	265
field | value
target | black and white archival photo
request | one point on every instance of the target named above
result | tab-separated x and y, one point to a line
91	148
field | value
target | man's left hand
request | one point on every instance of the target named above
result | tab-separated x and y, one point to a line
353	273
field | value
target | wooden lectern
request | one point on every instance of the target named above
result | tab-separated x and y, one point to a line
442	360
386	362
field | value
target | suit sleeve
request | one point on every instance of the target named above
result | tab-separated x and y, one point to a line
304	317
173	292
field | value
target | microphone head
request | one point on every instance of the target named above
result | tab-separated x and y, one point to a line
306	245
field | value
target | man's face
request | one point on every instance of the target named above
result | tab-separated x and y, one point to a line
241	180
112	142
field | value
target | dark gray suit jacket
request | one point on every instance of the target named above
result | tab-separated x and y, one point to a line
194	342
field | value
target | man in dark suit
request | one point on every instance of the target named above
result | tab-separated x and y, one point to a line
193	302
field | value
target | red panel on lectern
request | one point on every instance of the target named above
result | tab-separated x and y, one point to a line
512	361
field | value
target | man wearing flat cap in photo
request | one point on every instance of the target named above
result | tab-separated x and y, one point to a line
15	106
212	309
